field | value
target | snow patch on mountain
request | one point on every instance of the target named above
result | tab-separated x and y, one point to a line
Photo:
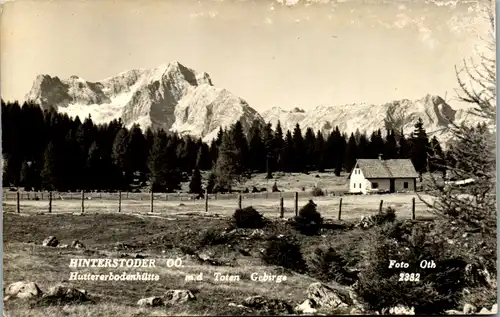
170	96
287	119
399	114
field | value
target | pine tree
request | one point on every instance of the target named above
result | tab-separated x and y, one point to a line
182	156
256	150
157	162
211	183
363	147
269	143
195	183
74	165
420	147
403	147
269	172
120	154
203	160
309	145
287	158
240	148
137	151
228	166
319	152
172	170
342	149
50	173
351	153
391	147
28	175
436	157
357	135
278	144
299	150
96	169
376	146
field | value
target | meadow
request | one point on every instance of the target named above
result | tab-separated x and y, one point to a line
175	229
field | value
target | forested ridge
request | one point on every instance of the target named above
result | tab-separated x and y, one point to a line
43	149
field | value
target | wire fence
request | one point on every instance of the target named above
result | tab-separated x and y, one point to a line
333	205
44	195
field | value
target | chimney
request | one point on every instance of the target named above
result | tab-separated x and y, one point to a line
380	157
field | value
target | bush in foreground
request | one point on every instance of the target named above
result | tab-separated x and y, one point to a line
387	215
438	288
213	237
328	265
248	217
309	220
286	254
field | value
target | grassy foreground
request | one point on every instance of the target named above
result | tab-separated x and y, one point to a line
159	238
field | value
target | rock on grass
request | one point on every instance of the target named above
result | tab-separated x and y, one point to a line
22	289
50	242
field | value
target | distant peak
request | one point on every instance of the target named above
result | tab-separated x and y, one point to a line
297	109
433	99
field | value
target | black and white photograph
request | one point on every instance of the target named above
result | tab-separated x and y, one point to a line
248	157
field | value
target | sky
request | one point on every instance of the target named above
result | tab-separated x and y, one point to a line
285	53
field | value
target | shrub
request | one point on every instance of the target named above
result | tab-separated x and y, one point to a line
480	297
195	183
389	215
317	192
255	190
275	188
437	290
309	221
213	237
248	217
286	254
328	265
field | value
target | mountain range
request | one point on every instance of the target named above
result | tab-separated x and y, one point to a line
177	98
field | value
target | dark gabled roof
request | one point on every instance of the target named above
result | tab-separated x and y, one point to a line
376	168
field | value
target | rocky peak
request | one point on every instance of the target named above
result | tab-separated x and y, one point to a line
170	96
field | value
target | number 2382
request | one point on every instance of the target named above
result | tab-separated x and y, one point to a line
405	277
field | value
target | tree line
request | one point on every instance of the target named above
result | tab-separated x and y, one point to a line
44	149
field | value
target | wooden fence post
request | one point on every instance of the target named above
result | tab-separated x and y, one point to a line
239	201
83	201
282	210
206	200
296	203
41	195
18	202
340	208
413	208
127	194
381	204
152	199
119	201
50	202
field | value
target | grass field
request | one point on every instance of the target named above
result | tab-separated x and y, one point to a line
173	227
26	259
